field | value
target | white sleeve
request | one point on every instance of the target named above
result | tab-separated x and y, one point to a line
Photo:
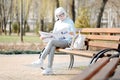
54	29
72	28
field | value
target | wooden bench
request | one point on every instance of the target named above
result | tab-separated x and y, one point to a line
104	69
96	39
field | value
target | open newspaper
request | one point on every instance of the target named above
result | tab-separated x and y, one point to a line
58	35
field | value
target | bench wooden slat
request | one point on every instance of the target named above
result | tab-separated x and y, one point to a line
78	52
116	75
101	30
90	71
106	71
103	37
103	44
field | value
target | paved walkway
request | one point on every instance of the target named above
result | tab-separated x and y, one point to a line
18	67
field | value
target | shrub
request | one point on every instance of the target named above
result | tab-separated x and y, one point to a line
15	27
49	26
27	28
83	19
37	28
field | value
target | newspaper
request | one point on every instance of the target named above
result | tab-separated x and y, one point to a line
58	35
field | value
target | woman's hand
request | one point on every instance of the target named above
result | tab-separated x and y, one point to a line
42	38
71	33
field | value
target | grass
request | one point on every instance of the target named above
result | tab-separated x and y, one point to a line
15	39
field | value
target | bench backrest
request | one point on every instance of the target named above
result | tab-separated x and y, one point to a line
102	37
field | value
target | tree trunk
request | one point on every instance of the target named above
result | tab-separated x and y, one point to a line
4	25
42	24
73	10
57	3
21	23
25	27
4	18
10	23
101	13
10	31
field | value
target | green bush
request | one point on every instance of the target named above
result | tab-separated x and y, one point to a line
15	27
49	26
27	28
37	28
83	19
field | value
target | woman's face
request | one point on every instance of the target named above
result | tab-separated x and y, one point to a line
61	16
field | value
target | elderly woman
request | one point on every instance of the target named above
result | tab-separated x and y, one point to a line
63	22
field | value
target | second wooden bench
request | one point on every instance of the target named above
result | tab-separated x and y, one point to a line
103	69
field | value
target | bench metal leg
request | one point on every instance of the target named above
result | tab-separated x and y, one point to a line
41	52
71	61
102	52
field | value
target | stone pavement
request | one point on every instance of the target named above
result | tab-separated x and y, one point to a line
18	67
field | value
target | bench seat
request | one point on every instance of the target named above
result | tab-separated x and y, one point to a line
83	53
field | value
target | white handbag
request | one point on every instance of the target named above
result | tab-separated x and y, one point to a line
78	42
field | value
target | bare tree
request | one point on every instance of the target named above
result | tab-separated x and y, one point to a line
57	3
17	14
42	13
101	13
26	13
10	17
21	23
5	12
72	9
1	17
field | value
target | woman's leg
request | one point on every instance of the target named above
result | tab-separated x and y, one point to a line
46	50
53	44
56	43
51	57
50	49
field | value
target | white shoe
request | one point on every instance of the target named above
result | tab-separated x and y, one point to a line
39	62
47	71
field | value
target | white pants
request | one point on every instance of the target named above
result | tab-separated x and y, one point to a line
50	50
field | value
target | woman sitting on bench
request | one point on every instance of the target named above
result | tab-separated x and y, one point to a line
62	23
